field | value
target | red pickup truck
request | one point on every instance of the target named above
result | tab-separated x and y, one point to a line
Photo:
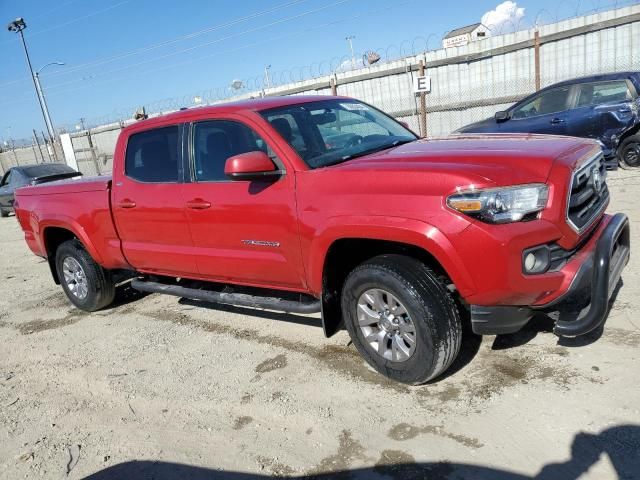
312	204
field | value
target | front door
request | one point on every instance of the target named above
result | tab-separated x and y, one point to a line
243	231
148	204
545	113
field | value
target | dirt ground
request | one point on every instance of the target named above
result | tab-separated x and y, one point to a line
163	388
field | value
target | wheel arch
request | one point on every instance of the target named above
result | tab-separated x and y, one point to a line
52	237
344	254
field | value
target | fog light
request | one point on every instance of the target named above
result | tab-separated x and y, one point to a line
536	260
529	262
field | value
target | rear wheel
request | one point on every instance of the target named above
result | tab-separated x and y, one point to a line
401	318
629	151
3	213
87	285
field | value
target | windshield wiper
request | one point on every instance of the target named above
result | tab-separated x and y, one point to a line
370	151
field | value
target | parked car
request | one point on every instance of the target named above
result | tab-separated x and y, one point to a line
602	107
17	177
391	236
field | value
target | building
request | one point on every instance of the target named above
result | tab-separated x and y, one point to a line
462	36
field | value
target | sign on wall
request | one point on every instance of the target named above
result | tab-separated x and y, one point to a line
422	84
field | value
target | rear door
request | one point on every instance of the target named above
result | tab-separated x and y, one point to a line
545	113
148	204
243	231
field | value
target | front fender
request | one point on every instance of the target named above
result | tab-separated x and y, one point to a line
413	232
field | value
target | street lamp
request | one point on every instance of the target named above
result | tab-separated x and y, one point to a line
17	26
267	79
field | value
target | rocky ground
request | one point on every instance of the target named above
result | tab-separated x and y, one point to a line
163	388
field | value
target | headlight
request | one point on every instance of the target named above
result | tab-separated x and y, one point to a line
501	205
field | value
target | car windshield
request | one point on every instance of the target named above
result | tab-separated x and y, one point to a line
327	132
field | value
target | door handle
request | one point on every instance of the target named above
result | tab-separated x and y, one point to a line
126	203
557	121
198	204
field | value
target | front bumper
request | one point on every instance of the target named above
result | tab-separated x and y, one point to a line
583	307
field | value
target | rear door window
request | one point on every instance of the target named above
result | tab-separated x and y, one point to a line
153	156
603	92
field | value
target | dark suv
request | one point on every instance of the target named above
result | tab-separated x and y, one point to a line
603	107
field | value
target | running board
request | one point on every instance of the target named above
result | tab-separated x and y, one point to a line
236	299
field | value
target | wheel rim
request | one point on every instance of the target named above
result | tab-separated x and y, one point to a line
631	155
386	325
75	278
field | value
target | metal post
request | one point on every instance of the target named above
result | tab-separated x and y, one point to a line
46	146
13	149
267	80
334	85
536	49
35	137
93	151
423	104
353	56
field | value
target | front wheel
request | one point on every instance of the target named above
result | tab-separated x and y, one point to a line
401	318
87	285
629	152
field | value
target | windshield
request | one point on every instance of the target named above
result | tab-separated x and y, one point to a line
333	131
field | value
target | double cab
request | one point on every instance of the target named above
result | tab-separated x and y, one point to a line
312	204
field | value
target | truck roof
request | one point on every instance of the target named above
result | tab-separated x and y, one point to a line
254	104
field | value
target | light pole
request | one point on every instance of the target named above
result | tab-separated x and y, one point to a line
17	26
353	56
45	109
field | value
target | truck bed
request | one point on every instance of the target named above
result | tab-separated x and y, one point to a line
82	205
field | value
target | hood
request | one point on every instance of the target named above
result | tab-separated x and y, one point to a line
500	159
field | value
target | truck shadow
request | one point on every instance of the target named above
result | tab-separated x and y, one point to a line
620	443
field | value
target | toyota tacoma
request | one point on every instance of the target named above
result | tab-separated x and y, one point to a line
398	239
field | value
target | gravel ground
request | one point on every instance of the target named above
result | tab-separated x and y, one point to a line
163	388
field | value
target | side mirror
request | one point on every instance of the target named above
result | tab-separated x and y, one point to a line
251	166
502	116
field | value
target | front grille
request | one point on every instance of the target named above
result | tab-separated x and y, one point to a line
588	195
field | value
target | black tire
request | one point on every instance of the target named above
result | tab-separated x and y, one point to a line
101	289
629	152
429	304
3	213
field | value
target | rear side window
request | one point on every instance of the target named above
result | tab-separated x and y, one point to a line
603	92
153	156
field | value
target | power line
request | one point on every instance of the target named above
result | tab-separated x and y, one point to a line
228	37
253	44
95	63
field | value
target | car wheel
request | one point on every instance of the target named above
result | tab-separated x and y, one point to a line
629	152
87	285
3	213
402	318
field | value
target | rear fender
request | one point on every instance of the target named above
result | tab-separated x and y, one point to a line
67	223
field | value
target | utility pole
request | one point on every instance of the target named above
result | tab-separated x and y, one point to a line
353	56
48	145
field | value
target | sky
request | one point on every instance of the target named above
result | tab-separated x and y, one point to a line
120	54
